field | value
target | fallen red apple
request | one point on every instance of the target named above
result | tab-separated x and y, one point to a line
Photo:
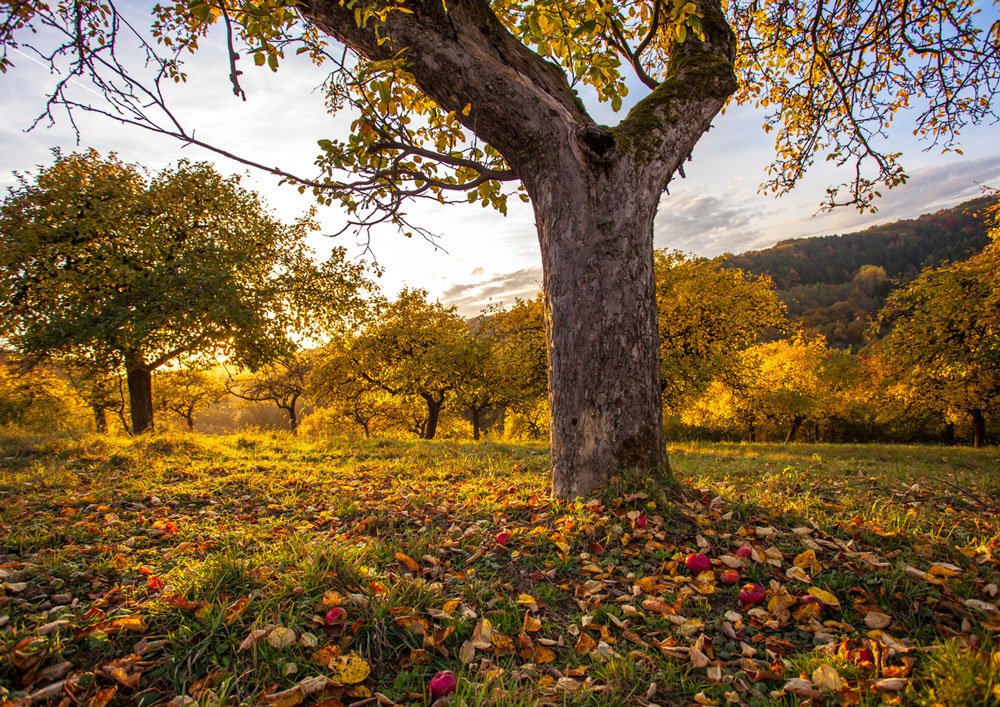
502	538
751	594
745	551
862	655
698	562
442	684
336	615
641	521
729	577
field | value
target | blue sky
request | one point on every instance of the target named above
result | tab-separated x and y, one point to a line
480	255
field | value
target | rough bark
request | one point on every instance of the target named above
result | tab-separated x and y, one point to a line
594	192
189	418
140	397
978	428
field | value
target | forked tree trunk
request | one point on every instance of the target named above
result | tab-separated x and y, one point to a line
140	398
596	234
794	429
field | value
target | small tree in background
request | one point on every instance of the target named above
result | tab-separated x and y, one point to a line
186	391
282	382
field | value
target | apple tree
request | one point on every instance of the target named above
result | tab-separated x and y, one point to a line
100	263
465	98
942	337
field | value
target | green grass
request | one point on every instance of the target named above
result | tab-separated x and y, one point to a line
199	542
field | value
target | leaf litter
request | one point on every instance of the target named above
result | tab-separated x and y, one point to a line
310	575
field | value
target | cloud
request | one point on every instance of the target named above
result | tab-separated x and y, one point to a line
471	297
704	224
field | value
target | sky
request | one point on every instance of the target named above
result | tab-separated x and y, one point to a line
479	257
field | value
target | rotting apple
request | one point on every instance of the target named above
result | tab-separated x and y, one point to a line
729	577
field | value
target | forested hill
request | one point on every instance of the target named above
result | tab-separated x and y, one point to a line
832	284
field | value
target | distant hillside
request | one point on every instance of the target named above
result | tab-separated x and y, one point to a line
832	284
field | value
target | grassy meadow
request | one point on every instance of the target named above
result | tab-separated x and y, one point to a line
187	569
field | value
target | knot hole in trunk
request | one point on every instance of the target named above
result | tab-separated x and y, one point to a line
598	140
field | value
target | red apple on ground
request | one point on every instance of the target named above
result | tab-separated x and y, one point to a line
746	551
862	655
641	521
698	562
751	594
336	615
730	577
503	538
443	684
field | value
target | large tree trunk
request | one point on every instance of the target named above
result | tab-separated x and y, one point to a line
140	397
949	433
595	227
978	428
594	192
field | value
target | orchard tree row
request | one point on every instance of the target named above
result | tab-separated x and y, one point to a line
111	274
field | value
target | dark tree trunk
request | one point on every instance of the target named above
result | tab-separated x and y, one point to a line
189	418
949	433
140	398
475	422
794	429
293	417
596	235
100	418
978	429
433	413
751	432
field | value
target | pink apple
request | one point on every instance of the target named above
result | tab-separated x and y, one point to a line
745	551
698	562
442	684
751	594
730	577
336	615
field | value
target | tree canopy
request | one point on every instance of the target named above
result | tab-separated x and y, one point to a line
101	263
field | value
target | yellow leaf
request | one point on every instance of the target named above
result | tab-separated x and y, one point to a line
531	624
407	562
826	678
281	637
585	644
825	597
350	669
